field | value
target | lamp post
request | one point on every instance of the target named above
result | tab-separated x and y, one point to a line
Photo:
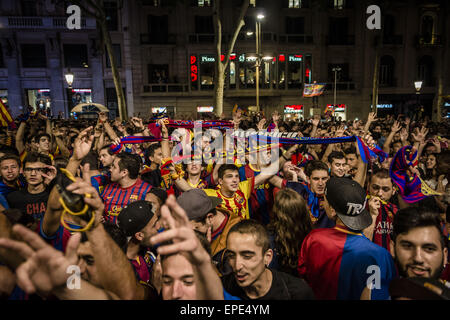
335	70
259	17
69	79
418	86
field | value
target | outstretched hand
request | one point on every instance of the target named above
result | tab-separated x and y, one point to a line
179	236
83	144
45	268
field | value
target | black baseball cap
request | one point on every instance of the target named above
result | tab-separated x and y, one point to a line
418	288
197	203
135	216
348	199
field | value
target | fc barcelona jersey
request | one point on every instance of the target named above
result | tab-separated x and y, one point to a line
261	199
338	264
115	197
238	204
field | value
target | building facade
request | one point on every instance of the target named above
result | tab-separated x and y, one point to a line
302	42
165	53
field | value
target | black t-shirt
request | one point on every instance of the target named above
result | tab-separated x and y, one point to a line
30	204
153	178
284	287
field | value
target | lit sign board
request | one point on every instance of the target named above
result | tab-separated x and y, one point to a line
338	108
295	57
194	69
205	109
447	104
159	110
207	59
385	106
44	90
82	90
294	108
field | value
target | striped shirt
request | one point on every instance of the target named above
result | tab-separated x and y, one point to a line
238	204
115	197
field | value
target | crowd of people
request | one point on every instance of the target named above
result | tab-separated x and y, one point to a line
108	199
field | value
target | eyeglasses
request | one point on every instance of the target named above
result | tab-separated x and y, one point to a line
38	170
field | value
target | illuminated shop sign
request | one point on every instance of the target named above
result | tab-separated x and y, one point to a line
159	110
295	57
385	106
293	108
194	69
338	107
205	109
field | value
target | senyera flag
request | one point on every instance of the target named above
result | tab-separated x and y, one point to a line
5	117
313	89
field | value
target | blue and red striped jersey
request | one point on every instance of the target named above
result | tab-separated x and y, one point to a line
115	197
100	181
338	264
58	240
261	199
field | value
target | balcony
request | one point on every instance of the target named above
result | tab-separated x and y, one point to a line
434	40
348	40
42	23
147	38
296	38
165	87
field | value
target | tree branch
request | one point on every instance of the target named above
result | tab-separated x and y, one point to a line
240	23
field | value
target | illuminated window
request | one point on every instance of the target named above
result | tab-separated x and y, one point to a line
294	3
339	4
252	3
204	3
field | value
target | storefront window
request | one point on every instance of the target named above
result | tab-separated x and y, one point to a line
81	96
39	99
295	73
207	72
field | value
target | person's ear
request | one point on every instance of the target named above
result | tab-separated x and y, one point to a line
268	256
392	248
209	218
139	235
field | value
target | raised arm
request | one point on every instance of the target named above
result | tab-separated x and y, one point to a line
184	241
20	146
395	127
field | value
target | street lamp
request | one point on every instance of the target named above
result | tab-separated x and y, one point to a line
335	70
259	17
69	78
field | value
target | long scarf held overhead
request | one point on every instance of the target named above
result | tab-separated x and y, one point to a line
411	188
189	124
367	151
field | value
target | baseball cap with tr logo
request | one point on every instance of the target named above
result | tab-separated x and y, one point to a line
348	199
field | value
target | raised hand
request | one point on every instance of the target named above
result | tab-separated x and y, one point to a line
419	134
404	135
45	268
372	117
83	144
261	124
50	175
180	234
396	126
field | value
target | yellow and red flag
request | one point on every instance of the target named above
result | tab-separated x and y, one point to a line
5	117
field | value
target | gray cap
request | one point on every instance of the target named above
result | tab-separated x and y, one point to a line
197	203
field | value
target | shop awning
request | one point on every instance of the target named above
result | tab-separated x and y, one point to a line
89	107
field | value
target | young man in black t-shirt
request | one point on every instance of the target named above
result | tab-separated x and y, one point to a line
39	173
249	256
